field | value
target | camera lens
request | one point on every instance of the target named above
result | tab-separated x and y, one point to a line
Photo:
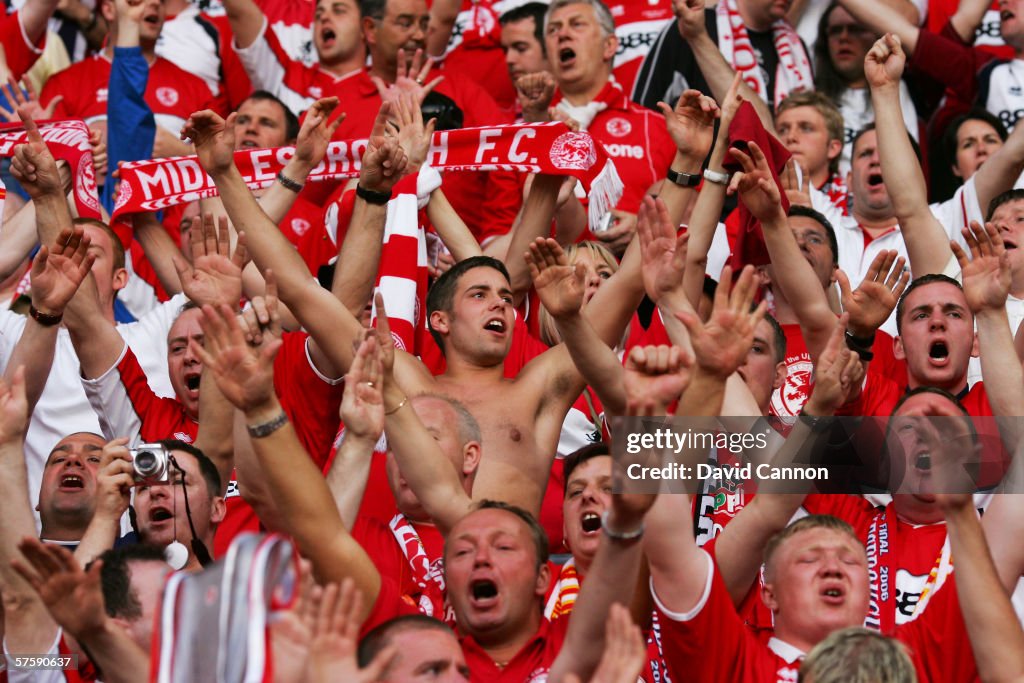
146	463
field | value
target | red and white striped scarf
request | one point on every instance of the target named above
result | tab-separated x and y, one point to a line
549	148
67	141
794	70
564	594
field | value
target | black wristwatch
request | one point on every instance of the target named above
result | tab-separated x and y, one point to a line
684	179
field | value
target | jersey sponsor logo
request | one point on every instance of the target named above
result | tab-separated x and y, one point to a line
618	127
636	38
617	10
573	151
101	94
627	151
182	436
167	96
300	226
316	92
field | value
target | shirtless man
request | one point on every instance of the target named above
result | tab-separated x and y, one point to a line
470	312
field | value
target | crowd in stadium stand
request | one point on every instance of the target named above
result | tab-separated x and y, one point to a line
406	283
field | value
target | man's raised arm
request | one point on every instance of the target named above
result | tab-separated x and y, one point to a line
318	310
927	241
245	375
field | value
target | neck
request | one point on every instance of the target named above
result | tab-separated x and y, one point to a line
801	643
820	177
347	65
753	23
954	387
913	510
175	6
579	94
463	369
874	226
68	530
582	565
501	647
148	50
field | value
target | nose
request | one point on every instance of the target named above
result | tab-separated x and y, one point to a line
936	320
73	459
482	558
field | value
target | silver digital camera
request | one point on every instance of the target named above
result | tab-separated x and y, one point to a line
151	463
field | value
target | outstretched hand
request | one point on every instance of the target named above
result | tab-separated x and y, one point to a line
384	162
362	404
244	373
662	252
214	140
837	373
336	636
871	304
412	135
215	275
26	100
755	185
692	123
317	131
59	270
560	286
723	342
409	78
986	276
73	597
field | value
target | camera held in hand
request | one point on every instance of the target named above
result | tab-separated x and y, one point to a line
151	463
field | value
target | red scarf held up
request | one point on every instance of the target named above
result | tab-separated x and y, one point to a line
67	141
549	148
748	242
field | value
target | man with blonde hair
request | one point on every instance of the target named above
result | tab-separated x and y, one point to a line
858	655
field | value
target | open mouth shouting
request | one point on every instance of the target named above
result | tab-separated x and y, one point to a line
328	37
483	593
875	181
566	57
160	514
496	326
938	353
590	522
71	481
833	593
192	380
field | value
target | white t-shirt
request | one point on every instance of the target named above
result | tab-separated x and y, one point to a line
63	408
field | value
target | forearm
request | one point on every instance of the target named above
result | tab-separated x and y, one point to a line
737	548
216	436
17	238
277	200
28	626
533	221
995	633
359	256
424	466
678	199
927	243
967	18
703	224
96	340
799	284
1000	172
52	216
100	536
34	14
331	324
1004	377
719	75
118	656
34	351
881	18
615	302
443	15
159	249
616	565
246	21
450	227
597	363
307	509
348	475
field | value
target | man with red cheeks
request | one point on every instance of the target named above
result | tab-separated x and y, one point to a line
67	497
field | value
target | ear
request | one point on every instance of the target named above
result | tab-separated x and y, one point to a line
540	585
439	322
834	149
955	168
611	46
780	375
370	30
768	597
108	11
120	279
471	457
849	178
218	509
975	349
900	354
